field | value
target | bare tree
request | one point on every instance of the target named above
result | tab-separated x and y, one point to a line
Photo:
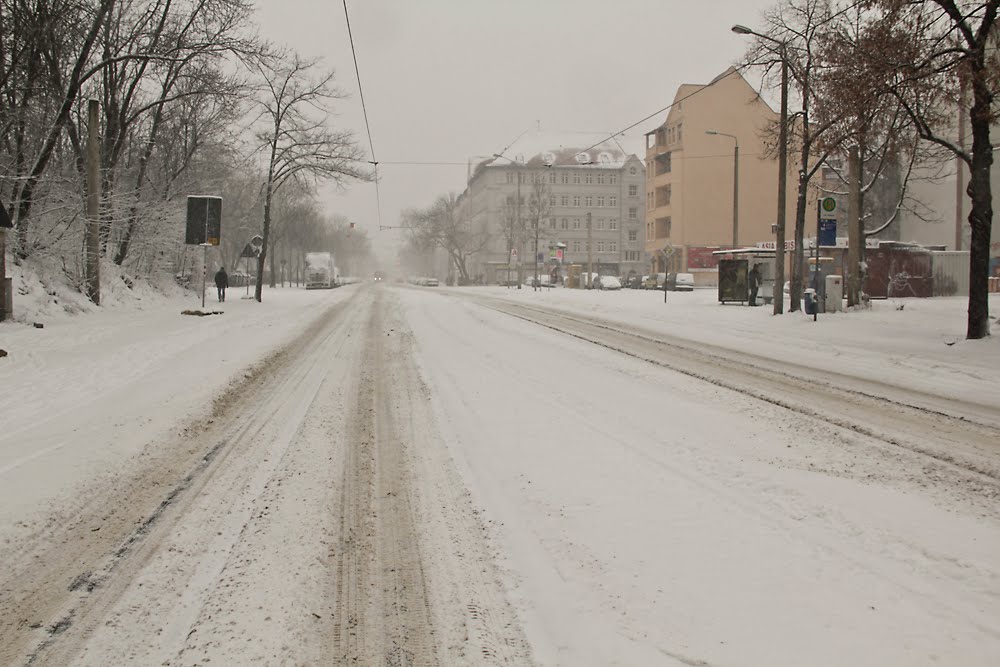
538	211
931	50
294	112
442	226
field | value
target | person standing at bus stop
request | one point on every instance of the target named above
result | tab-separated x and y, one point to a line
222	282
753	281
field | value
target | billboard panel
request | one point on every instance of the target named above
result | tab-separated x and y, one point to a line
204	220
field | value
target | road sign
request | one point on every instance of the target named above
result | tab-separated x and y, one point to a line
829	204
513	255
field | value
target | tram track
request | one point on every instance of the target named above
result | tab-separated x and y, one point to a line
957	434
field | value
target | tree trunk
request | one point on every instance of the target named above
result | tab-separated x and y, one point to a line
262	257
981	215
795	289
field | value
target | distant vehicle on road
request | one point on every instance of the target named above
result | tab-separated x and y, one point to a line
379	276
321	271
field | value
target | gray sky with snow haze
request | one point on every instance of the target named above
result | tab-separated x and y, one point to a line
447	80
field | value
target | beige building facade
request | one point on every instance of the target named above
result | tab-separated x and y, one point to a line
581	181
690	177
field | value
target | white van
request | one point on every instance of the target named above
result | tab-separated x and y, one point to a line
682	282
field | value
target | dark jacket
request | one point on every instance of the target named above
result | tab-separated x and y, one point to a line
221	279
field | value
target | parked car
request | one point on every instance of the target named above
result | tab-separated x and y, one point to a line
608	282
654	281
430	282
680	282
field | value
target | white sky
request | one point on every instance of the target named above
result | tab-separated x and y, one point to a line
446	80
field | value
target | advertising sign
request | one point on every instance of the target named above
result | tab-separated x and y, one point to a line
827	233
701	257
204	220
733	280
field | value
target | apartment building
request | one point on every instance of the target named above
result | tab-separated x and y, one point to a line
581	176
690	177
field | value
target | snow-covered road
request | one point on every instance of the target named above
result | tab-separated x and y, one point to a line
400	476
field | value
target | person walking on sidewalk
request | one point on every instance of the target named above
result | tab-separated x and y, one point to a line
222	282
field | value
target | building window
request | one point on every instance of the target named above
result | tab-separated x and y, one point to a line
612	179
552	223
612	246
564	179
552	177
600	224
600	202
633	190
576	223
564	200
552	200
510	177
613	223
576	200
576	179
600	179
588	201
613	201
678	131
589	179
576	246
633	234
600	246
564	224
633	213
632	170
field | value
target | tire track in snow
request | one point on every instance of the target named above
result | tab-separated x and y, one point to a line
45	609
969	446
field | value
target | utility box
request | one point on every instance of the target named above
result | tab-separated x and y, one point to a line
834	294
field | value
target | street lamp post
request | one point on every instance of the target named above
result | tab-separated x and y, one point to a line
736	184
779	241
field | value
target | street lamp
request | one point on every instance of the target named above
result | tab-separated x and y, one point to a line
736	184
779	241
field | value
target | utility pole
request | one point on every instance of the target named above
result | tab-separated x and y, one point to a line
93	235
854	236
6	307
779	246
590	253
736	195
518	243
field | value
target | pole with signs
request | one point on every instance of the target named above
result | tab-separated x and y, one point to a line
826	234
204	228
5	303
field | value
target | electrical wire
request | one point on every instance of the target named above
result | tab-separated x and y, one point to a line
735	70
364	109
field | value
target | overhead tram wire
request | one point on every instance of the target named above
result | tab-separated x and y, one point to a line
364	109
735	70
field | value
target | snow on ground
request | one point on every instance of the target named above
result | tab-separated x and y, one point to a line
647	518
87	391
640	517
915	343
